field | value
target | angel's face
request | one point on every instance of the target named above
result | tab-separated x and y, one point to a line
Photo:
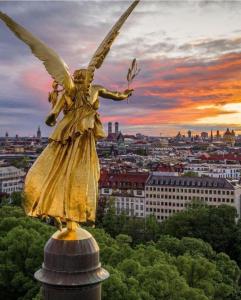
81	77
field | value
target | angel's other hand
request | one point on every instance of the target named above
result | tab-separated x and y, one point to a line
128	92
51	120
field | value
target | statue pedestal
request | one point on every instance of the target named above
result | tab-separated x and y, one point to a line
71	268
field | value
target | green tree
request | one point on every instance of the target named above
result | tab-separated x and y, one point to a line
16	199
21	253
169	269
215	225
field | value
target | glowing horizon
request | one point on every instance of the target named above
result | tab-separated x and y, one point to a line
190	59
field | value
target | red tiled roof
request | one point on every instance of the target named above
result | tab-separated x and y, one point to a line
234	157
168	168
124	180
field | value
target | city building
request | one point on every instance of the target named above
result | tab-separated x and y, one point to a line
11	180
127	191
39	133
116	136
215	170
166	195
229	137
204	135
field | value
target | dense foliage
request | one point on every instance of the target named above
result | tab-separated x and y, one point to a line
216	225
21	253
170	269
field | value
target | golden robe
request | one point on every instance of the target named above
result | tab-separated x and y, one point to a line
63	181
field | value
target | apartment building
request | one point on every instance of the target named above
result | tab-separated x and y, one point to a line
127	191
166	195
11	180
215	170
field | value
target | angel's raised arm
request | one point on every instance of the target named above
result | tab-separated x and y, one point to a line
53	63
114	95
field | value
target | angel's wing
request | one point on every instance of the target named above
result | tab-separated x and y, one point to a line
104	47
53	63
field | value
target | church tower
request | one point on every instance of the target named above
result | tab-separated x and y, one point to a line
39	133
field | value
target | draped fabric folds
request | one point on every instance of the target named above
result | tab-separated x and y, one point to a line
63	181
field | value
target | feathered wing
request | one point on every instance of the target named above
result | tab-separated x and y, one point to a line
53	63
104	47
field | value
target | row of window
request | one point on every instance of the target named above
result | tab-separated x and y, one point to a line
214	170
11	183
9	174
181	197
178	204
138	192
181	182
137	207
201	191
11	189
162	210
130	200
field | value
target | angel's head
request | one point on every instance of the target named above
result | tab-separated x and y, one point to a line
83	77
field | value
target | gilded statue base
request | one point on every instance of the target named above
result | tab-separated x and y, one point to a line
71	267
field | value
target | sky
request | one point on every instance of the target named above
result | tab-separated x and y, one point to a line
189	53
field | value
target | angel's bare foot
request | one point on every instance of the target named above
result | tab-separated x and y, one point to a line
71	225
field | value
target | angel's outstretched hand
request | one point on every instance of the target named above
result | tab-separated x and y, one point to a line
128	92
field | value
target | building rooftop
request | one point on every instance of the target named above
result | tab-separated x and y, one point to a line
125	180
184	181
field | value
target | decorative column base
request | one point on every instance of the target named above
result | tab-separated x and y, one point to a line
71	268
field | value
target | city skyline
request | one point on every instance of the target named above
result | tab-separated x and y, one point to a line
189	54
183	132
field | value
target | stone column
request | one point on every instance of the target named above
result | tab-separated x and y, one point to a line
71	269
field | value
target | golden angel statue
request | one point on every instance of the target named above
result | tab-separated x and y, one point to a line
63	181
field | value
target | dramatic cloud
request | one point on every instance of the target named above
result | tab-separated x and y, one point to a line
189	53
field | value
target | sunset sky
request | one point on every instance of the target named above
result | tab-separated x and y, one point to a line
189	53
